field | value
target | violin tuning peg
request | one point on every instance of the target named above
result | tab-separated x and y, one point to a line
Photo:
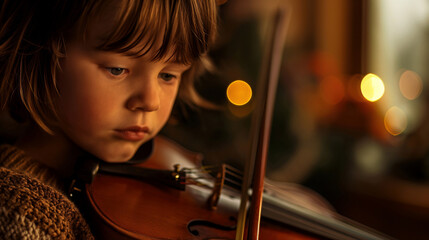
176	168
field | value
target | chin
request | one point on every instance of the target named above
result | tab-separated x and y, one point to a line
118	159
117	156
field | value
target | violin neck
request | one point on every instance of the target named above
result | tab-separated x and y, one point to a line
323	223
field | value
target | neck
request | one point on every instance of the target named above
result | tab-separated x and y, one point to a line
54	151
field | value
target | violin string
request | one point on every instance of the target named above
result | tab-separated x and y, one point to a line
207	169
214	169
211	168
233	177
196	178
234	174
232	169
232	184
191	182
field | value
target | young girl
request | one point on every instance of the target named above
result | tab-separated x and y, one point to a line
96	76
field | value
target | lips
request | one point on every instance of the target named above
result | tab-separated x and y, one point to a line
134	133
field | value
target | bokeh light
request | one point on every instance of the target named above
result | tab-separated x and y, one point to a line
372	87
369	157
410	84
239	92
395	121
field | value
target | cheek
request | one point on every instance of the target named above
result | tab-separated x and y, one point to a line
84	111
170	97
85	104
77	116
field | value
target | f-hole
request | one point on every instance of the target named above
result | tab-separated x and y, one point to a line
192	225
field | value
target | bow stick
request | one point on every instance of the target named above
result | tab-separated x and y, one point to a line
261	125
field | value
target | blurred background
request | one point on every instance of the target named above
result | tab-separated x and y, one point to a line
351	114
351	118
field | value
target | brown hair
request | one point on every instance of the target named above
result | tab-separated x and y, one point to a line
33	35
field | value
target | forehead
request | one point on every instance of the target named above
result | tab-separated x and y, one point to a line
143	31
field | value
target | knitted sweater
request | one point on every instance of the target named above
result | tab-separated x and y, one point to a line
31	204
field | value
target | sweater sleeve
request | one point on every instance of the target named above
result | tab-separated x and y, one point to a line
30	209
15	226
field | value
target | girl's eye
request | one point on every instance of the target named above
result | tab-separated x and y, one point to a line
116	71
167	76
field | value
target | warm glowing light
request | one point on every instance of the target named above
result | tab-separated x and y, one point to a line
372	87
240	111
239	92
369	156
395	121
410	84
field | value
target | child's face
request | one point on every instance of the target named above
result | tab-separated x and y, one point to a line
111	104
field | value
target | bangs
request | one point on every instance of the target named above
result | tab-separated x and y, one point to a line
174	30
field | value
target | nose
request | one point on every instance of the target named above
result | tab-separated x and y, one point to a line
145	97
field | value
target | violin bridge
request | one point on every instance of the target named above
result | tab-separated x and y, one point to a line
213	200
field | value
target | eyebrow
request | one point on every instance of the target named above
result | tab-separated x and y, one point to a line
182	66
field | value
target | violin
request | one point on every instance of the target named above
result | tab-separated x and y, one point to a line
175	197
126	207
171	195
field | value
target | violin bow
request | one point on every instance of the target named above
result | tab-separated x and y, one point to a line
261	126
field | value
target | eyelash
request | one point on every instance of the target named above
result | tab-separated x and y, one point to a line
118	71
111	69
167	76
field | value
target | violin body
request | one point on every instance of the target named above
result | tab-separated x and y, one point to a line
144	210
126	208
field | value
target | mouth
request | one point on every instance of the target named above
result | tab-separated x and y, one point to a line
133	133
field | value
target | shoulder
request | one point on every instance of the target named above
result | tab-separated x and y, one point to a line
30	209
